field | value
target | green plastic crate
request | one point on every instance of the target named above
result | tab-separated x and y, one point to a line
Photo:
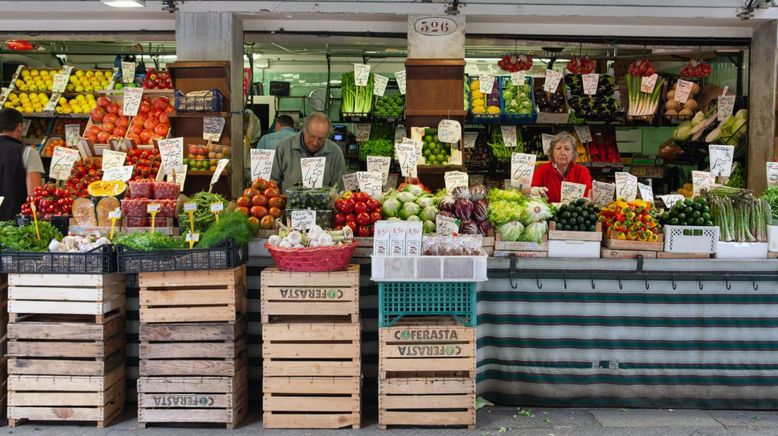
399	299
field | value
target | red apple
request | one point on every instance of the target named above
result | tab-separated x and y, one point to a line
110	118
163	119
136	129
113	108
108	127
98	114
94	130
122	122
103	137
150	124
144	108
134	137
145	136
161	129
103	102
120	131
92	137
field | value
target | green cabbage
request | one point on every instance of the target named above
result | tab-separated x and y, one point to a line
394	218
428	227
391	207
502	211
416	190
406	197
428	213
409	209
413	218
534	232
511	231
425	201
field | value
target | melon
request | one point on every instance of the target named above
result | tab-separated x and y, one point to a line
106	188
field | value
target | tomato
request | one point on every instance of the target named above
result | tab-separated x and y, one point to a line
363	231
360	207
340	219
348	205
373	204
250	192
375	216
275	212
259	184
276	202
363	218
242	210
254	220
243	201
258	211
339	204
266	222
161	129
259	200
351	217
362	196
353	225
272	192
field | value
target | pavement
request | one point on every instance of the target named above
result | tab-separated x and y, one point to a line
492	421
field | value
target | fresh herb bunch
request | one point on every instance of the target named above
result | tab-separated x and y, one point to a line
234	225
150	241
25	238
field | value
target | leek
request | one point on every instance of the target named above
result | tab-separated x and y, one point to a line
641	103
356	99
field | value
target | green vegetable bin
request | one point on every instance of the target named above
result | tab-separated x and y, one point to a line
399	299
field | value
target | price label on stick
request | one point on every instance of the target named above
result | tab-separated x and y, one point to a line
407	156
380	164
379	84
190	207
132	98
171	152
572	191
509	136
118	173
52	103
113	159
590	82
62	160
602	193
26	122
128	72
303	219
701	180
626	186
391	182
670	199
545	139
152	208
648	83
646	193
552	81
486	83
726	106
721	159
470	138
584	134
449	131
262	163
350	182
213	128
218	171
363	132
400	77
522	169
519	77
361	74
446	225
683	90
178	176
72	133
454	179
60	82
313	171
772	173
216	209
370	182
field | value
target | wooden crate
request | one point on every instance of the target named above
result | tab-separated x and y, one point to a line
567	235
202	349
500	245
65	294
499	253
364	248
666	255
301	349
607	253
426	401
216	400
192	296
311	402
287	294
618	244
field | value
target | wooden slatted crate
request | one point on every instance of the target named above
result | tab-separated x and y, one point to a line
63	294
192	296
287	294
426	401
311	402
3	343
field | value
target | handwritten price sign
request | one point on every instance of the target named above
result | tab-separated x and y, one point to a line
370	182
572	191
646	193
380	164
408	157
218	171
171	151
772	173
721	159
509	136
132	98
518	78
62	160
72	133
552	81
128	72
545	139
213	128
626	186
449	131
113	159
726	106
602	193
670	199
363	132
303	219
350	182
454	179
400	77
683	90
486	83
590	82
470	138
313	171
446	225
118	173
262	163
379	84
584	134
361	74
522	169
701	180
648	83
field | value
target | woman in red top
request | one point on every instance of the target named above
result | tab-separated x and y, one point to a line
548	178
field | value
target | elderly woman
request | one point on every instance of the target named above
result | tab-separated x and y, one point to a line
548	177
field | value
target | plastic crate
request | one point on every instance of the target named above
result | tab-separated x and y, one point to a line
741	250
399	299
483	118
772	238
518	118
691	239
429	268
98	261
225	256
210	101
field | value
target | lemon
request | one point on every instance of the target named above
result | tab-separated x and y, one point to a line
79	73
22	87
25	73
80	97
52	72
89	88
34	72
79	88
13	97
44	73
73	79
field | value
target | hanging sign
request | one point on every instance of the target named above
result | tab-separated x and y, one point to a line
132	99
313	171
648	83
721	159
350	182
509	136
682	91
449	131
584	134
626	186
363	132
590	82
128	72
262	163
379	84
552	81
361	74
470	138
602	193
522	169
213	128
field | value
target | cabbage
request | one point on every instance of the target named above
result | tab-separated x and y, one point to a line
448	204
502	211
416	190
536	210
394	218
468	227
461	192
413	218
428	227
479	210
428	213
409	209
511	231
464	209
477	192
425	201
406	197
484	227
534	232
391	207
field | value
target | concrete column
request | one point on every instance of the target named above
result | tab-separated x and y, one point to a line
761	103
218	36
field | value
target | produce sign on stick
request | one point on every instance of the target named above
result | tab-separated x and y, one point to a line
128	72
60	82
701	180
114	216
380	164
670	199
522	169
509	136
370	182
190	208
772	173
602	193
363	132
152	209
192	238
572	191
646	193
52	104
62	161
313	171
626	186
454	179
178	175
721	159
361	74
552	81
407	156
470	138
486	83
216	209
648	83
449	131
400	77
113	159
83	148
303	219
123	173
590	82
584	133
726	106
379	84
518	77
391	181
262	163
446	225
171	152
132	98
219	169
546	140
72	133
26	122
683	90
213	128
350	182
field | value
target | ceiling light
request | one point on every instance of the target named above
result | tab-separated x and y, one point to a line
125	3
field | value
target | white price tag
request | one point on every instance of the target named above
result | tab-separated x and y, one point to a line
683	90
519	77
192	237
602	193
72	133
509	136
213	128
52	103
62	160
470	138
522	169
446	225
26	122
572	191
361	74
363	132
128	72
60	82
218	171
391	182
721	159
772	173
584	134
552	80
701	180
83	148
379	84
380	164
407	156
370	182
590	82
178	176
152	207
670	199
648	83
545	138
454	179
190	206
626	186
313	171
4	94
726	106
399	134
132	98
113	159
350	182
646	193
303	219
171	151
400	77
115	214
486	83
449	131
217	207
262	163
123	173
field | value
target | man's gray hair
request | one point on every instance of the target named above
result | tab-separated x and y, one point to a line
316	116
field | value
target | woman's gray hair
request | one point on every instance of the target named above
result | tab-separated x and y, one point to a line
561	137
316	116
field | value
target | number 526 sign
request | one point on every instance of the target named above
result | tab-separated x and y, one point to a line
435	26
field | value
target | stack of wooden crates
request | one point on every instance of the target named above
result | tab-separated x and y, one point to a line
311	371
193	347
3	343
66	347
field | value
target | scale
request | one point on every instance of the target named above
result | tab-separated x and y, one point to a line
346	140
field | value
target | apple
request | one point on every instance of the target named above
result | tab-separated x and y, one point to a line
103	102
144	108
108	127
120	131
134	137
161	129
122	122
150	124
113	108
145	136
136	129
110	118
103	137
98	114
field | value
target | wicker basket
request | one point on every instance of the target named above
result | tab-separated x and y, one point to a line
313	259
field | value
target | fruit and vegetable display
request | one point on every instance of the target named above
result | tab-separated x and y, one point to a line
376	147
737	178
479	153
452	245
579	216
152	121
78	243
84	172
39	126
146	162
203	217
80	104
34	80
687	190
483	104
550	102
25	238
641	68
512	62
60	123
581	65
106	188
596	108
106	121
89	80
603	148
356	99
434	151
49	201
497	144
516	217
470	207
689	212
300	198
262	202
390	106
706	127
142	193
606	85
157	79
642	104
26	103
517	100
739	214
314	237
51	143
696	68
630	220
410	203
678	110
206	157
358	211
770	195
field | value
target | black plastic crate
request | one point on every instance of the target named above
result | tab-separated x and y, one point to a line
224	256
211	101
101	260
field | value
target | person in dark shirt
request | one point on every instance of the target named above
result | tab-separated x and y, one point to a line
21	169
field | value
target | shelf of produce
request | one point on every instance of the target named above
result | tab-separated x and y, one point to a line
435	112
198	114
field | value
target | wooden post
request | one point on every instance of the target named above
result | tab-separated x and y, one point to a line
761	104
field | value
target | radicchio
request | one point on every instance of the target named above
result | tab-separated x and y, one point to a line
461	192
448	204
477	192
468	227
464	209
447	213
484	227
479	210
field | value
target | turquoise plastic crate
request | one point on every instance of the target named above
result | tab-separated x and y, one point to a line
399	299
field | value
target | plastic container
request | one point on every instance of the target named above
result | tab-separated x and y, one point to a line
741	250
691	239
485	118
397	300
429	268
204	101
135	207
225	256
512	118
98	261
166	190
141	189
772	238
